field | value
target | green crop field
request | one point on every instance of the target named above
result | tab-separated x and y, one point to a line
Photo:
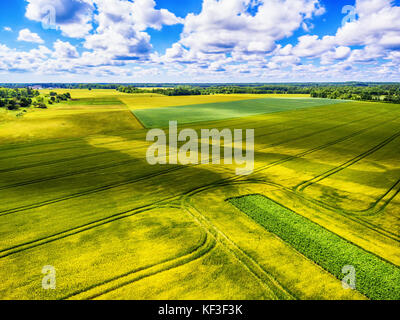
324	247
78	194
159	117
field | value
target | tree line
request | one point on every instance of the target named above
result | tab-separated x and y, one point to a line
187	90
352	91
386	93
14	99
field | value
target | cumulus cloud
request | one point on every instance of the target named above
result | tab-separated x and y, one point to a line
227	39
64	50
231	25
375	34
28	36
72	17
8	29
121	27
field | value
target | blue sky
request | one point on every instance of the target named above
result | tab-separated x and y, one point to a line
199	40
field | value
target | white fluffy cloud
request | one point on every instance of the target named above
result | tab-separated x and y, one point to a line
72	17
28	36
245	26
228	39
64	50
121	27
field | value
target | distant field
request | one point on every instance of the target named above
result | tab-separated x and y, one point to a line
160	117
151	101
78	194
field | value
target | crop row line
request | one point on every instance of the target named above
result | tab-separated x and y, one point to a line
121	183
71	174
128	134
87	192
301	187
85	227
206	245
227	180
78	140
374	228
102	188
270	284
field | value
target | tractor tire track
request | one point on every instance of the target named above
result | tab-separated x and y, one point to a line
129	181
207	245
129	134
270	284
70	174
301	187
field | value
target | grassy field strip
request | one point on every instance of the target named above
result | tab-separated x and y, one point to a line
376	278
304	185
159	117
262	275
282	262
130	246
317	207
94	190
95	101
129	278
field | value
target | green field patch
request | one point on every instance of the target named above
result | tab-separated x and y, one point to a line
375	278
96	102
160	117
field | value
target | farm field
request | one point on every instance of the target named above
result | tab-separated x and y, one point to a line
78	194
158	118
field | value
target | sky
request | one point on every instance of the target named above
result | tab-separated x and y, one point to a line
233	41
